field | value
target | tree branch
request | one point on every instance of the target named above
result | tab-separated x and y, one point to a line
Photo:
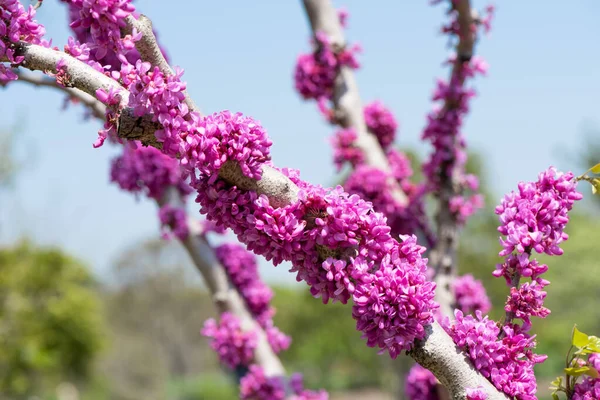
443	255
437	352
97	108
349	111
224	296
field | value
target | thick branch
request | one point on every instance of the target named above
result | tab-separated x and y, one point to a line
443	256
225	297
81	75
436	352
97	108
323	17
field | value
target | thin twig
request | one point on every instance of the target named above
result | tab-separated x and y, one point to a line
96	107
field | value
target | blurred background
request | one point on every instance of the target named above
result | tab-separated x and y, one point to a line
94	305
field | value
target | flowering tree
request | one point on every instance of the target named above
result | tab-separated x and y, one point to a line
357	243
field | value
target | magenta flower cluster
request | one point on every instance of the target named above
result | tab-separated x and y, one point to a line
588	388
316	72
16	24
533	219
148	171
508	362
234	346
242	269
443	130
255	385
173	220
361	261
381	122
344	150
470	295
421	384
103	21
476	394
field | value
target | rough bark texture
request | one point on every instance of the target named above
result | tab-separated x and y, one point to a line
438	353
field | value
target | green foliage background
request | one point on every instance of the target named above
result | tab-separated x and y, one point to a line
51	325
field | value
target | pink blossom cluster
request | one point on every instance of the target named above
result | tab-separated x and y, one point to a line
377	187
16	24
255	385
102	20
148	171
508	362
470	295
533	219
476	394
381	122
588	388
173	220
344	150
443	130
234	346
204	144
362	258
421	384
316	72
242	269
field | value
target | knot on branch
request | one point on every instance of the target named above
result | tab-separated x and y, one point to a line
142	128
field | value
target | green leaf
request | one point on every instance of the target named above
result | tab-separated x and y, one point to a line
586	344
578	338
595	169
555	396
556	384
577	371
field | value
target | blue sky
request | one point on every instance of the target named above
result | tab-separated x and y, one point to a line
541	89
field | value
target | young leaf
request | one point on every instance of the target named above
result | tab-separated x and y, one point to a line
577	371
555	396
556	384
578	338
596	169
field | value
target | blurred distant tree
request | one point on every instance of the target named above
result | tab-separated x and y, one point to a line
156	308
51	320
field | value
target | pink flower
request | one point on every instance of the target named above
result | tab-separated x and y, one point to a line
470	295
233	346
381	122
421	384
